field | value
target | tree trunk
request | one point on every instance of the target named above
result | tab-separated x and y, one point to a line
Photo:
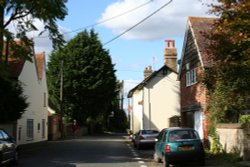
1	29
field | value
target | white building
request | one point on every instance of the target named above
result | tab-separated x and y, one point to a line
156	99
33	125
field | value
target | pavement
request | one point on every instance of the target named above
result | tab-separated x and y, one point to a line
244	163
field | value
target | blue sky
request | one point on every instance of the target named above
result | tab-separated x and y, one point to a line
142	46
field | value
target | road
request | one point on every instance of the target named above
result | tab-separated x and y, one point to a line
103	151
94	151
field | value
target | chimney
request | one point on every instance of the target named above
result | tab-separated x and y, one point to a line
147	72
170	54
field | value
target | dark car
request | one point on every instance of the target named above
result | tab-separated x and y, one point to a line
144	138
8	148
179	146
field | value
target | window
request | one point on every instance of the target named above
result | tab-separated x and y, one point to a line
191	77
30	128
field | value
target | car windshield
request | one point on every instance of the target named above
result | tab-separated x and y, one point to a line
182	135
149	132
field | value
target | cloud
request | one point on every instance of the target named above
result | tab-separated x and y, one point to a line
42	42
128	85
170	21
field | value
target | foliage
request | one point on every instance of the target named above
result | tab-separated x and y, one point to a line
22	14
89	82
228	80
245	119
119	121
216	147
12	101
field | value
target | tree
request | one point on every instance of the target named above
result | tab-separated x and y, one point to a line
228	80
119	121
89	82
12	103
23	14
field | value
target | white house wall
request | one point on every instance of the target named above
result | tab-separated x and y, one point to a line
36	92
137	111
161	101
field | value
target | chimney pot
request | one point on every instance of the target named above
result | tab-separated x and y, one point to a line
147	72
170	54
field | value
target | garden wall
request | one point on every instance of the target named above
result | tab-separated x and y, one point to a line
235	138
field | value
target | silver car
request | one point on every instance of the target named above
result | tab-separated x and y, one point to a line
144	137
8	148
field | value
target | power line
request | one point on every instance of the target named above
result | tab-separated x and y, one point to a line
103	21
138	23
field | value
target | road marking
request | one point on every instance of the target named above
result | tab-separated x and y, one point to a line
141	162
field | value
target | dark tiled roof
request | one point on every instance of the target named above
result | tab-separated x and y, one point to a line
201	28
40	58
15	67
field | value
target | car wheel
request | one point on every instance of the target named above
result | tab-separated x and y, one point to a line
202	162
138	146
156	158
0	160
15	160
134	144
165	161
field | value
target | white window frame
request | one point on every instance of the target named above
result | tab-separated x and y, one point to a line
191	77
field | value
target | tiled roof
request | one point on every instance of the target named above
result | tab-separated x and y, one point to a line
15	67
40	58
201	27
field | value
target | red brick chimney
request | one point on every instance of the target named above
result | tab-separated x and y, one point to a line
147	72
170	54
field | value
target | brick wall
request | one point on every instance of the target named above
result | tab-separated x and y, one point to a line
193	95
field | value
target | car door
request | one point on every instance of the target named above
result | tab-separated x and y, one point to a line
160	143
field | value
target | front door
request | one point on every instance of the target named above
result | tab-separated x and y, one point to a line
198	123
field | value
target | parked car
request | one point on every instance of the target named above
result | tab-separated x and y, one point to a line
8	148
178	146
144	137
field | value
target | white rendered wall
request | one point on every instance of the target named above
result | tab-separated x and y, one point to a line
34	90
161	101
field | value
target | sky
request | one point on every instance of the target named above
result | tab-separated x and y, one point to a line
139	47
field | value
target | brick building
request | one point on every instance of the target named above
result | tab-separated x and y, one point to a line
195	58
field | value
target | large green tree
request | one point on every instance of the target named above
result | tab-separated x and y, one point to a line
89	81
228	80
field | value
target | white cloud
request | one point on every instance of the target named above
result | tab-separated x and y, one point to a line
170	21
128	85
42	42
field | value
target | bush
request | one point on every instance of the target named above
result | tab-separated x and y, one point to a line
245	119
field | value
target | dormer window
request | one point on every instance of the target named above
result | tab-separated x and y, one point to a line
191	77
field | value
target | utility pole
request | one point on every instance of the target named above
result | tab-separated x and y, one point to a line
61	98
122	94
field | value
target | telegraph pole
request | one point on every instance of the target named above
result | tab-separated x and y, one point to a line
61	98
122	94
